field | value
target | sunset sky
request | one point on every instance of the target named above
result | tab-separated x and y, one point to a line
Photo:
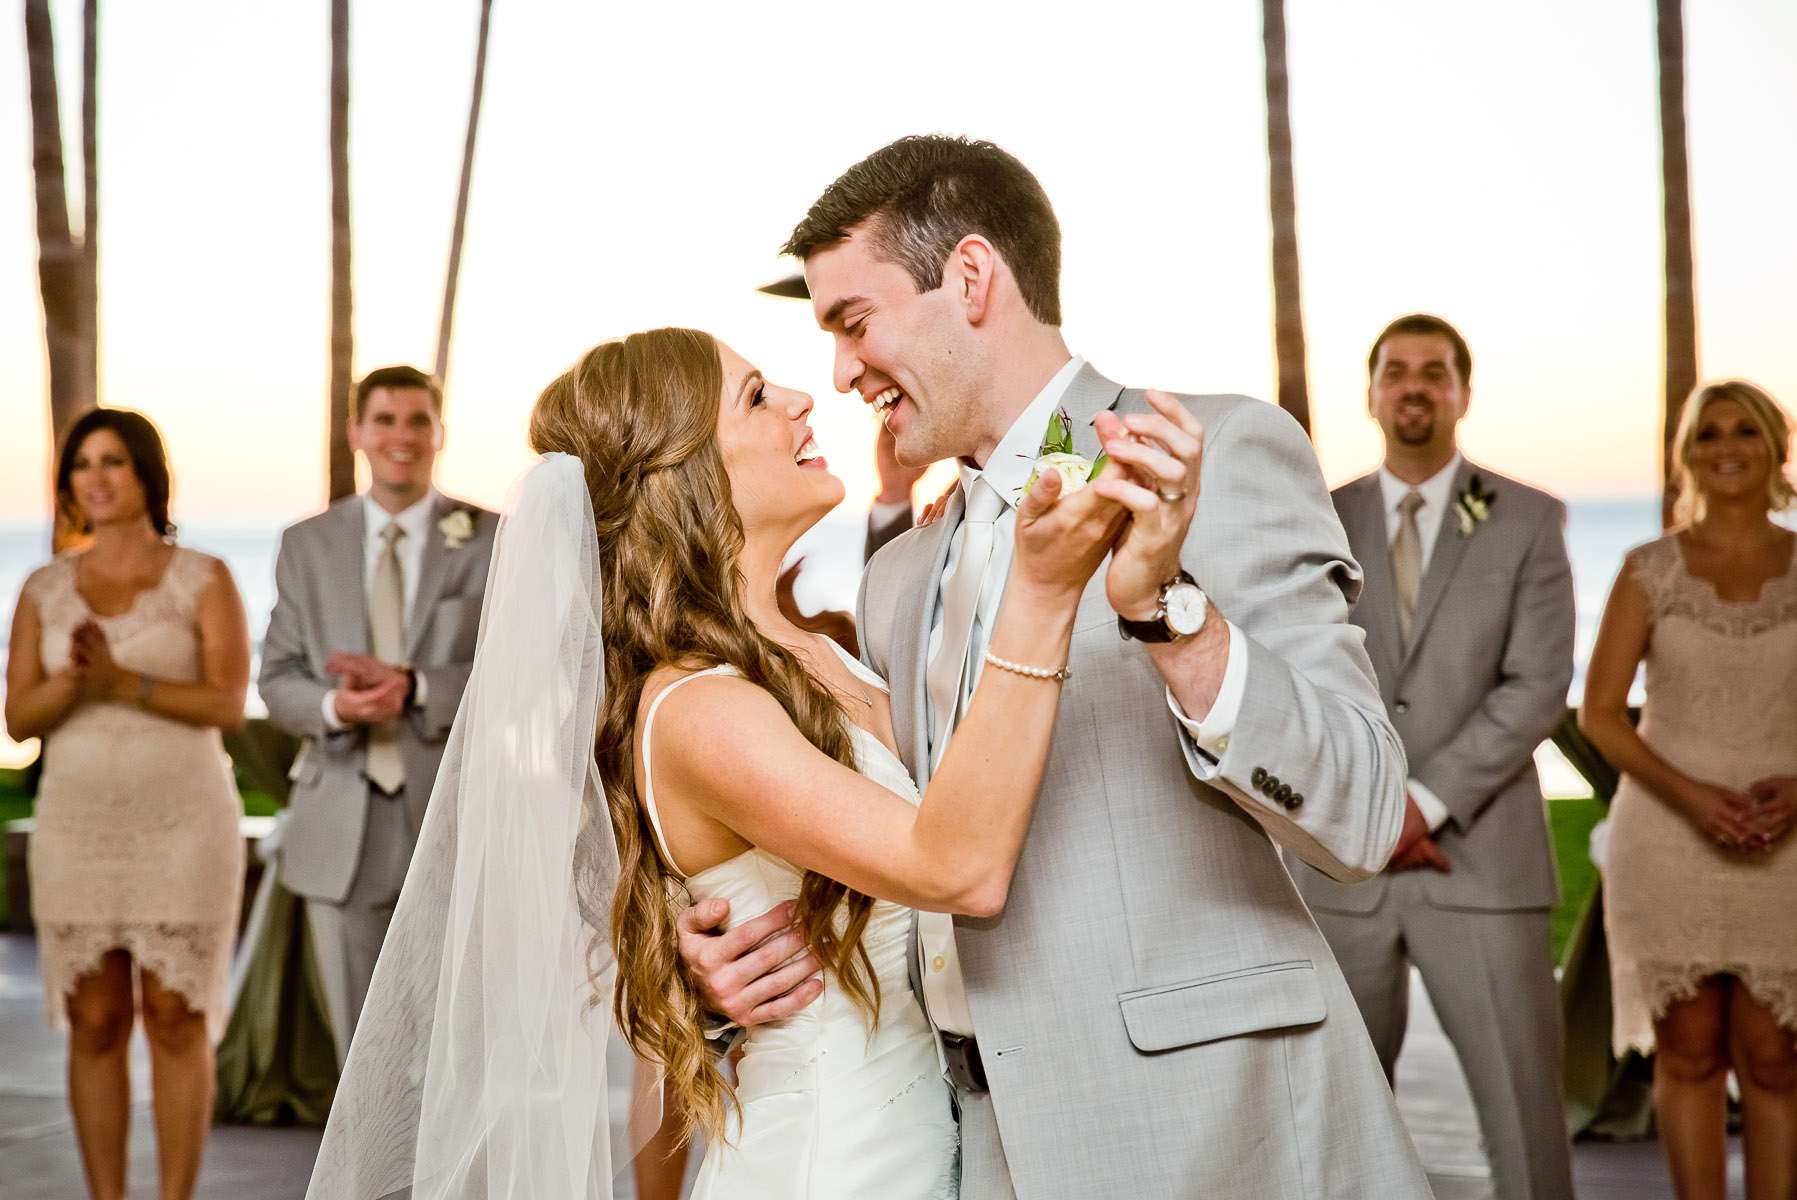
639	165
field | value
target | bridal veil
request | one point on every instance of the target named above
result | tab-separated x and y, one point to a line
478	1069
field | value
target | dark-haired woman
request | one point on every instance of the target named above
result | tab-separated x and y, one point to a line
129	655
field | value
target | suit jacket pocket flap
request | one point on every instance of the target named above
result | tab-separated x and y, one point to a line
1276	996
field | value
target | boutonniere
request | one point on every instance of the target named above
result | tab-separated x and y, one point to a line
456	528
1473	506
1057	455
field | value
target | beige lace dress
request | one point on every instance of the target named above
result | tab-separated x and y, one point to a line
1721	707
137	844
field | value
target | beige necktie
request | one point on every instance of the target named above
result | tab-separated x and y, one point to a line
947	672
1407	561
386	632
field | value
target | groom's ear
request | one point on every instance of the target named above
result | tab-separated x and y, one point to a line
972	270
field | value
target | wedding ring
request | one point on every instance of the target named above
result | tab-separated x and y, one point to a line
1172	497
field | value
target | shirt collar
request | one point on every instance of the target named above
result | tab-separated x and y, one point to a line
1434	489
412	519
1015	455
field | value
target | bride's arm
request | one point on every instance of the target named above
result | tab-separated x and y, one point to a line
725	747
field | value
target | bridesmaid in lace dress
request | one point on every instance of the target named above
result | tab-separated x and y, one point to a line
128	657
1700	891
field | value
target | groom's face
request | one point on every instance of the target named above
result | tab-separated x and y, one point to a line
894	346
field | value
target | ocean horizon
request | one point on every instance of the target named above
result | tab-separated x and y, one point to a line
1599	531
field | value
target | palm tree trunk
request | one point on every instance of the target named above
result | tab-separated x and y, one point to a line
59	262
342	463
1681	292
90	190
461	200
1282	198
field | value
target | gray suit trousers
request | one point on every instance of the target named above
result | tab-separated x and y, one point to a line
347	937
1490	977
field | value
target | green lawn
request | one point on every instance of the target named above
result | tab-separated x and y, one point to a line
1570	822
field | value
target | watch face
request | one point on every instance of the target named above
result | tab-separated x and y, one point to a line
1185	609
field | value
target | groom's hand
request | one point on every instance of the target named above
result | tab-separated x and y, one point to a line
1158	454
761	971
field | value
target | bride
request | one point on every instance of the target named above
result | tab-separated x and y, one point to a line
736	756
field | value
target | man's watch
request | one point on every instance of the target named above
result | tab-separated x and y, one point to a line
1181	613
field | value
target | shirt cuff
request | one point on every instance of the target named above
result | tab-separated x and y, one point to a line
1211	735
882	515
1435	813
331	721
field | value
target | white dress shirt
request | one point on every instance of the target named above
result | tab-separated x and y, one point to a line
415	520
1437	499
1006	471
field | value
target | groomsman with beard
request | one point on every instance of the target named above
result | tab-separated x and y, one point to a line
368	650
1468	612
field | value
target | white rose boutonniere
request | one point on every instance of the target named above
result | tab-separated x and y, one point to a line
1057	455
456	528
1473	506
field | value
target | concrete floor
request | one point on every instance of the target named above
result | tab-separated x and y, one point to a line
38	1160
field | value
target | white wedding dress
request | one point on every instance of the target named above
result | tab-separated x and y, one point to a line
829	1110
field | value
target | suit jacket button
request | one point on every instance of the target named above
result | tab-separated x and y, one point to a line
1283	794
1271	787
1259	777
1401	707
1295	801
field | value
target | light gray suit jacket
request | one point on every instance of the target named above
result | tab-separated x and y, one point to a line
321	607
1483	684
1157	1013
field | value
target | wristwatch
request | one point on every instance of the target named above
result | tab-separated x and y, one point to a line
1181	613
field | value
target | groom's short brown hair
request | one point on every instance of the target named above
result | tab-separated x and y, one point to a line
923	194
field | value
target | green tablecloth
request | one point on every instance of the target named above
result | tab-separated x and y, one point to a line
277	1064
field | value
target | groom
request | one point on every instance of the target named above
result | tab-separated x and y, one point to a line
1154	1013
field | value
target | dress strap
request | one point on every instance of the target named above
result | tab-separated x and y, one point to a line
661	839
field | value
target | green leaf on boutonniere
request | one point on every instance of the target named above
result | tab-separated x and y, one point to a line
1098	464
1059	437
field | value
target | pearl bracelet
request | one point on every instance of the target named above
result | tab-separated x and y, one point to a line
1005	664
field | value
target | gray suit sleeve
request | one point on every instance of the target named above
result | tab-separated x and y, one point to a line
1530	699
1268	549
293	694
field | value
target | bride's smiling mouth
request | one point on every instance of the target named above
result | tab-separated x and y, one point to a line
809	456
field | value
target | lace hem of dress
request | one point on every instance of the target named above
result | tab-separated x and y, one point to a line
185	957
1664	984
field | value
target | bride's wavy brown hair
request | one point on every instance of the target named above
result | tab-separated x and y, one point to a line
641	414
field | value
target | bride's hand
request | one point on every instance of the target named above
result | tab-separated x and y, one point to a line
1062	539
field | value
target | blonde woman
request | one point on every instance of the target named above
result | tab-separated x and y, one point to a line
129	655
738	756
1702	871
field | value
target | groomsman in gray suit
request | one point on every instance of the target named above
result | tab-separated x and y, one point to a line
1154	1013
368	650
1468	612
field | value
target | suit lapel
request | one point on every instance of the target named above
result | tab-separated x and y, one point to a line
1450	548
345	615
1088	395
433	565
1378	615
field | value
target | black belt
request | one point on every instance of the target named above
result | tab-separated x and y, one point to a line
965	1070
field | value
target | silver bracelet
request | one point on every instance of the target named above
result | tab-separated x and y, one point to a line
1005	664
